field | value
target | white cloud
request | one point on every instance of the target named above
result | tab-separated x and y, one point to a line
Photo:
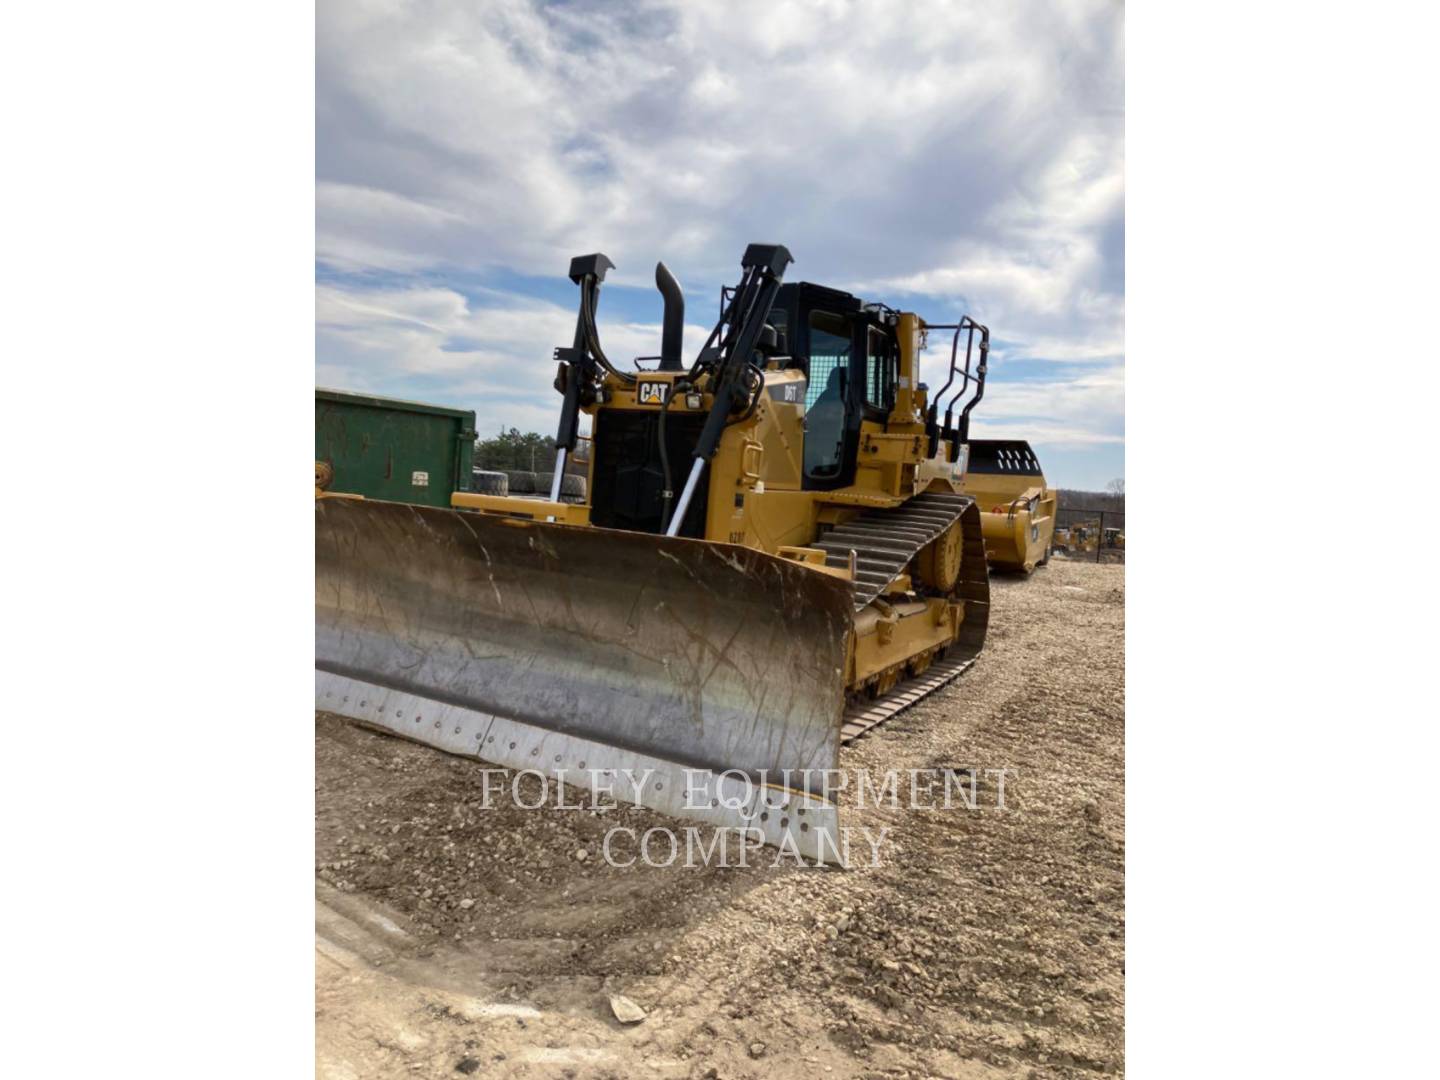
465	354
942	155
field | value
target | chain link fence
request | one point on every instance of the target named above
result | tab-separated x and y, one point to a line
1083	532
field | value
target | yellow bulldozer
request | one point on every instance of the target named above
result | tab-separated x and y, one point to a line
779	547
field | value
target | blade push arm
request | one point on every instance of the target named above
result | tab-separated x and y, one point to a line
732	374
578	363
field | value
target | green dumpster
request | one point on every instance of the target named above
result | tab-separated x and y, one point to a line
399	451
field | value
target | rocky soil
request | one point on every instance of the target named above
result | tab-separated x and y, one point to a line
455	939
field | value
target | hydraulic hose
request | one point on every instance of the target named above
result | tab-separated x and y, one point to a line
592	336
758	388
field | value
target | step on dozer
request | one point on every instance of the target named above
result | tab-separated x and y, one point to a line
774	552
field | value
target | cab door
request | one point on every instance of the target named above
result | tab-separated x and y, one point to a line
832	338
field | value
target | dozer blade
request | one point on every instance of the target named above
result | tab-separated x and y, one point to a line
685	675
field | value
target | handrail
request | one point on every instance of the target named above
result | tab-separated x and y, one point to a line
934	429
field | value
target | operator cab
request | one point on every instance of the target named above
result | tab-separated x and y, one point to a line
848	352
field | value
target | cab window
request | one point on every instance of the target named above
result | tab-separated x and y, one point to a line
880	370
825	394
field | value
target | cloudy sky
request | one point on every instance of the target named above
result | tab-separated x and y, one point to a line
943	157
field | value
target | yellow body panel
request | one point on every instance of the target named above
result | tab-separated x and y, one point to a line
895	640
520	506
1017	516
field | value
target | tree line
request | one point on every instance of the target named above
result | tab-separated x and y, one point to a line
516	451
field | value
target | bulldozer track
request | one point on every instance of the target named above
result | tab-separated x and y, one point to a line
884	543
863	715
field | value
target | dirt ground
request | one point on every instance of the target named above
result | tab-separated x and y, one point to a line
988	942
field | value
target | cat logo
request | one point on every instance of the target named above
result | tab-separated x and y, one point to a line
652	393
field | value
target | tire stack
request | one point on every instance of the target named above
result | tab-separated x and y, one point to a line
522	483
572	486
533	484
485	482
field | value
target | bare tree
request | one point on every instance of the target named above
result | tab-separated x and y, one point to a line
1116	486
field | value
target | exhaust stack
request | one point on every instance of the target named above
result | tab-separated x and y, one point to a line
673	330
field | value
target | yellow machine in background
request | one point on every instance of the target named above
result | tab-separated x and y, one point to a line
776	552
1087	538
1017	509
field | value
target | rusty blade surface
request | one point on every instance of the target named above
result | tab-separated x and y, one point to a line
707	655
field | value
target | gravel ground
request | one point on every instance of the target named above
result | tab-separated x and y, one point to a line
987	942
